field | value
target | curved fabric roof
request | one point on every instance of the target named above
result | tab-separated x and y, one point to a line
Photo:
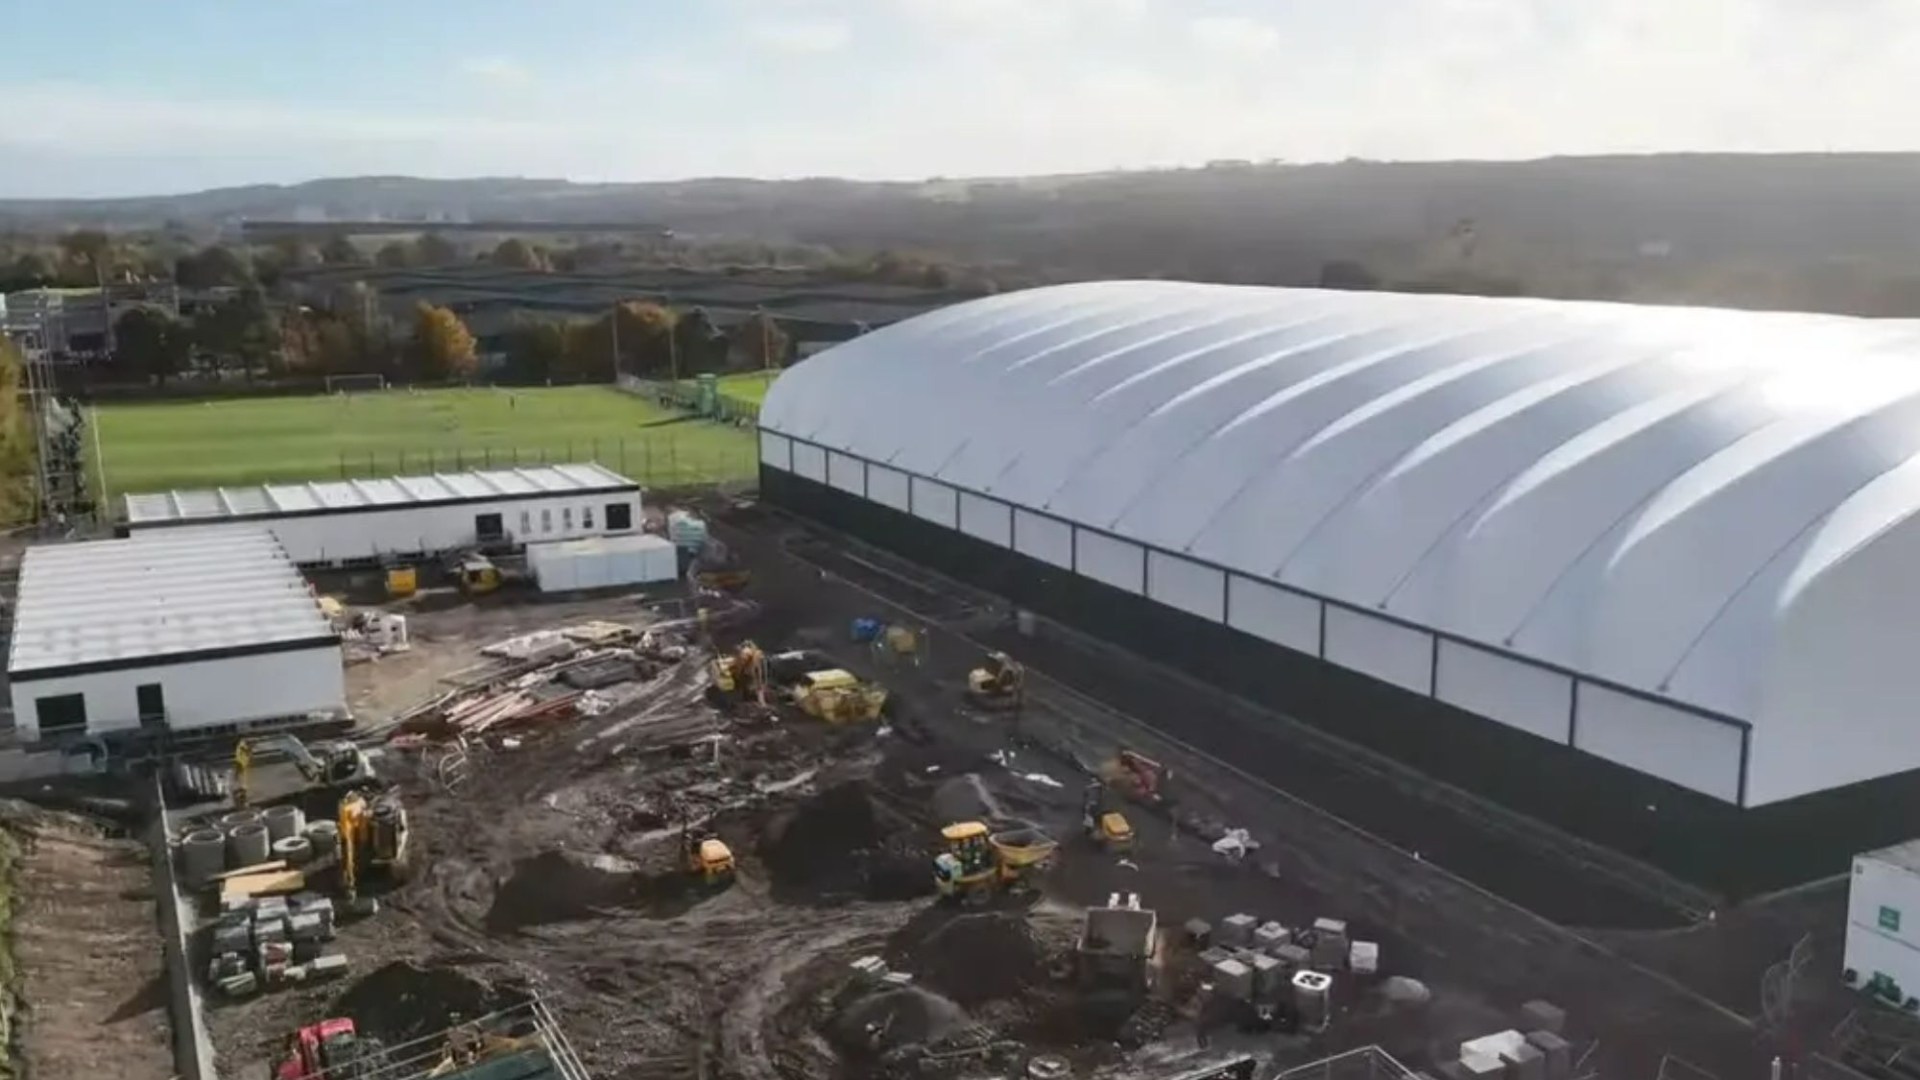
1639	494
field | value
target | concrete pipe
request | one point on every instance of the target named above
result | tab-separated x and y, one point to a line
232	821
203	853
248	845
325	837
297	850
285	821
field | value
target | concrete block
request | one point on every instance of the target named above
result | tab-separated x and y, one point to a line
1557	1052
1214	954
302	900
242	985
1333	927
1236	931
269	930
1294	956
270	907
1269	975
1481	1067
1233	979
328	965
1524	1062
1270	936
869	968
1330	953
232	939
896	979
1363	957
306	927
1538	1015
1199	933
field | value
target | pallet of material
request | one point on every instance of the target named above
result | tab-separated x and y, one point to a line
269	883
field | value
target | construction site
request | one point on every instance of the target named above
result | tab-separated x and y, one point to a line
932	861
860	777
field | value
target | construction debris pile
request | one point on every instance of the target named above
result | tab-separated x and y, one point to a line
270	930
545	677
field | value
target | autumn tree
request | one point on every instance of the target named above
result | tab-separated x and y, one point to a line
16	440
514	253
151	344
394	255
645	340
241	333
432	249
341	251
212	266
759	342
536	351
442	346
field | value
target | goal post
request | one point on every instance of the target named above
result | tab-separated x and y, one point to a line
347	384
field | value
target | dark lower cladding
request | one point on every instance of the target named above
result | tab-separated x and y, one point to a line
1694	837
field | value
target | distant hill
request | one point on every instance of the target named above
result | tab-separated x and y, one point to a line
1765	230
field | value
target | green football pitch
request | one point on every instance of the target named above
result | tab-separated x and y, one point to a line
156	446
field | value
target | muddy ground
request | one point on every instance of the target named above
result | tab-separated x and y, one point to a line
552	869
86	951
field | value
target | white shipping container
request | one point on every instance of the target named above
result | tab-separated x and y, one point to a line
1883	923
602	563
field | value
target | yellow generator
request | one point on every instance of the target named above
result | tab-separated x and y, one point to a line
839	697
402	582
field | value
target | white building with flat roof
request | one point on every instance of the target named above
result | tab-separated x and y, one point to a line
344	522
199	629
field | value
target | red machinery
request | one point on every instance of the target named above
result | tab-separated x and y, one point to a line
329	1050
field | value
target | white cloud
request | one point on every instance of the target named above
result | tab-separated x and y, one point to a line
800	38
1234	34
999	87
497	71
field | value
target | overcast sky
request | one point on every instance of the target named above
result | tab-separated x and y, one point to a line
101	97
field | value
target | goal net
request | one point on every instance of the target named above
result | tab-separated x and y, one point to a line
347	384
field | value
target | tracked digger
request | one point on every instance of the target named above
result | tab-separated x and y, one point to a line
331	763
374	837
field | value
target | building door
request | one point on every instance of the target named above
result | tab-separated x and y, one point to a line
152	702
619	517
489	527
61	714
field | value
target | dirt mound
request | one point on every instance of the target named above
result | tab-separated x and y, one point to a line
841	843
405	1001
889	1020
564	886
972	958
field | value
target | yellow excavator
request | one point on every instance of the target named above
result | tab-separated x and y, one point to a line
1108	828
978	862
334	763
999	683
707	857
739	676
374	836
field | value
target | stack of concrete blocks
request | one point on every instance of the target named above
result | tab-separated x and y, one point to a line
1236	931
1555	1053
1538	1015
868	970
1269	977
1295	957
1330	944
1233	979
1269	936
1508	1055
1363	958
230	972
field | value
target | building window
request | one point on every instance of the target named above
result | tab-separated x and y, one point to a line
61	712
619	516
546	521
1890	919
586	517
526	523
566	518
